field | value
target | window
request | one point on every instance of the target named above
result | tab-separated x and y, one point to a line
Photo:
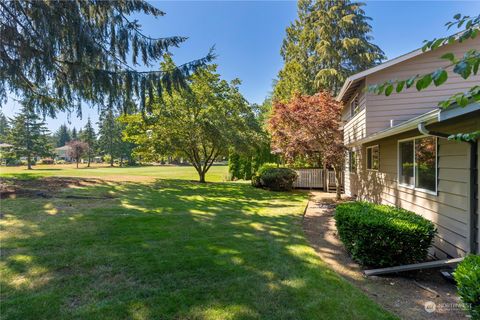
352	161
373	158
418	163
354	106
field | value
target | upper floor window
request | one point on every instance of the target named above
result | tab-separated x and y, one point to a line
417	163
373	158
354	106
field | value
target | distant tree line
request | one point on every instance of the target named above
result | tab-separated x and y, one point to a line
29	138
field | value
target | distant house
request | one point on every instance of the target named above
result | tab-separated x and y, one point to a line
61	153
398	153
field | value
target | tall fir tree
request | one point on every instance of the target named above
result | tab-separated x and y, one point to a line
62	136
109	135
4	128
29	135
63	52
74	134
328	42
88	136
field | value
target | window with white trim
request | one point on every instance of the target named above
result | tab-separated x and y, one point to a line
417	163
352	161
354	106
373	158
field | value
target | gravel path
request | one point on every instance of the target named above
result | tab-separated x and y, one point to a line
405	294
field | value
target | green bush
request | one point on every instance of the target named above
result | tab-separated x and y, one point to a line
383	236
467	276
265	166
277	179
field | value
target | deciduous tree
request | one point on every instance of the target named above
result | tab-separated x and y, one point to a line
309	126
199	122
77	150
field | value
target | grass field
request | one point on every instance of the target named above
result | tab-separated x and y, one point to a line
164	248
215	174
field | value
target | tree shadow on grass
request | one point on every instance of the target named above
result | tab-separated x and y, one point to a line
170	249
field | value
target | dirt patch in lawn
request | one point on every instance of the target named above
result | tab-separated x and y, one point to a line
403	294
44	187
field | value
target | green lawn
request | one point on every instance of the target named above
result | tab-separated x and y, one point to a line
216	173
167	249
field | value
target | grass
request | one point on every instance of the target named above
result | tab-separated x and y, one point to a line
168	248
216	173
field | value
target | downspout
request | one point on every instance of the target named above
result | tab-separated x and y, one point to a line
472	181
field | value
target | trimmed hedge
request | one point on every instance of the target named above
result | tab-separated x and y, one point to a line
383	236
467	276
276	179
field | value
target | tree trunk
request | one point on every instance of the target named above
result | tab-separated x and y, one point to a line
89	160
121	161
29	162
77	162
201	175
111	160
338	178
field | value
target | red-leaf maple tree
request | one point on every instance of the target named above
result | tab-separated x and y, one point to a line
309	126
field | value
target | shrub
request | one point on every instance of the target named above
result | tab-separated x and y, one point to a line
467	276
383	236
277	179
265	166
60	162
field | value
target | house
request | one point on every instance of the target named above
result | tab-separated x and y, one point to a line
398	154
61	153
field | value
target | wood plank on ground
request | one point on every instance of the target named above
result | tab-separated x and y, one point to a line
415	266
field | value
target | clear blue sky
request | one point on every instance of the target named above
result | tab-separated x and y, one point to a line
247	36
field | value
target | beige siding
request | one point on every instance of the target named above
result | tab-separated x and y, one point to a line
355	127
410	103
449	209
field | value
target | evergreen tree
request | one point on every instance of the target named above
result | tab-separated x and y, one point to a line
328	42
109	135
4	127
62	136
29	135
62	52
89	137
74	134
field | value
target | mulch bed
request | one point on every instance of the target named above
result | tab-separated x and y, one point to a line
42	187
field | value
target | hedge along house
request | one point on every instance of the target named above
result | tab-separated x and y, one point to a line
398	153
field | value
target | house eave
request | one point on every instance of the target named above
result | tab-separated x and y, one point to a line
354	79
456	111
412	124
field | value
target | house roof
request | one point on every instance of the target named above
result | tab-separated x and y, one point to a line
63	148
5	145
353	81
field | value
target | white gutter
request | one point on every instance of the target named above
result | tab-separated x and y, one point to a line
412	124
